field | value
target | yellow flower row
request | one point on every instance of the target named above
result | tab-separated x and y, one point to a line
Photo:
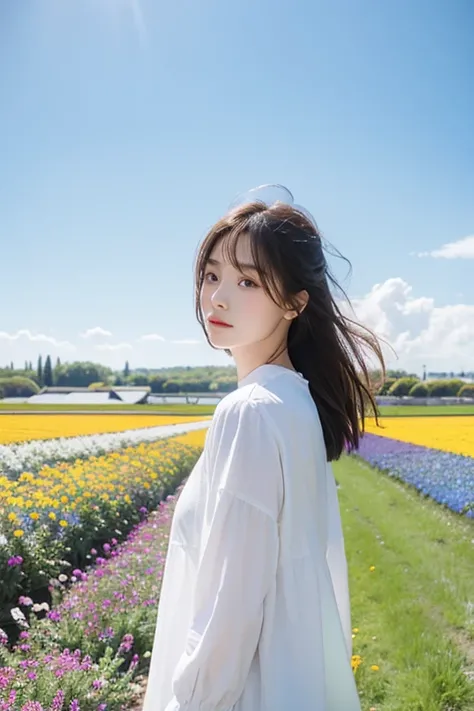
59	492
451	434
25	427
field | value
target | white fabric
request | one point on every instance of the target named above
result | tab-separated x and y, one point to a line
254	610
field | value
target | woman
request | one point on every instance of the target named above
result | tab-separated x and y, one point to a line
254	610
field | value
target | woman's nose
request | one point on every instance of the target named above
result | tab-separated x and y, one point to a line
219	297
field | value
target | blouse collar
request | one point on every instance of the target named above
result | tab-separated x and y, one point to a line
263	373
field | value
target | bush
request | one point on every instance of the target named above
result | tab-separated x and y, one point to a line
402	386
467	390
419	390
445	388
18	386
387	384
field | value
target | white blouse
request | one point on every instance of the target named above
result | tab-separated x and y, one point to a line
254	609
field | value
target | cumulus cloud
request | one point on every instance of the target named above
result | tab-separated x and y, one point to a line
462	249
419	331
95	332
26	335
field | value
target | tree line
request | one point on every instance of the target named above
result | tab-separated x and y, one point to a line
29	380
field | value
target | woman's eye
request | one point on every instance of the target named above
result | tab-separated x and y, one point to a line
210	276
248	283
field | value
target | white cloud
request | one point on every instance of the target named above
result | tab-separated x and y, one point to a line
94	332
419	331
114	346
151	337
25	334
462	249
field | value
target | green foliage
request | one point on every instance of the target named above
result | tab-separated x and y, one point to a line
18	386
444	388
386	386
48	372
467	390
82	374
419	390
402	386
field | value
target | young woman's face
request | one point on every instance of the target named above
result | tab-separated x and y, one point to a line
237	298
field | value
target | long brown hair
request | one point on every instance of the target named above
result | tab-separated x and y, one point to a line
327	347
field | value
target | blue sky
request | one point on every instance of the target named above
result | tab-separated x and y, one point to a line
127	126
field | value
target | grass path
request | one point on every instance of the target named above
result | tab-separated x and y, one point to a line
415	611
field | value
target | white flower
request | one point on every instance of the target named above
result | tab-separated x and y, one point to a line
32	456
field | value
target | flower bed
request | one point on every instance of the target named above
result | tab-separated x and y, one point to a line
32	456
49	521
107	617
443	476
25	427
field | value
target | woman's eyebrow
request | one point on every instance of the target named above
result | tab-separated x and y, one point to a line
217	263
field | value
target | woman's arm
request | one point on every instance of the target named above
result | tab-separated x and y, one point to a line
238	563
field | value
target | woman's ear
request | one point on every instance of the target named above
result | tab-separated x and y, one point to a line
302	298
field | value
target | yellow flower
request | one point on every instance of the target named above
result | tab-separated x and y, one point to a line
63	523
356	629
374	667
52	516
372	568
18	533
12	516
34	515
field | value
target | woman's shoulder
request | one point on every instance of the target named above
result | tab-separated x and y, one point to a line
249	401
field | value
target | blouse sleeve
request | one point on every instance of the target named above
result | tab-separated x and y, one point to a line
237	564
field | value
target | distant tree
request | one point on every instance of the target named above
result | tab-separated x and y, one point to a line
118	380
419	390
126	370
18	386
48	372
156	383
444	388
58	362
82	374
12	367
137	379
387	384
467	390
39	370
402	386
171	386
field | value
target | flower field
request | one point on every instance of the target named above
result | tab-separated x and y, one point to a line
450	434
49	520
32	456
433	454
27	427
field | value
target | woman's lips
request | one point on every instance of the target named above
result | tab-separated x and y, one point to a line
219	324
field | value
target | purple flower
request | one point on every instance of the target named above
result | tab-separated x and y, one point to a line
93	551
25	601
3	640
15	560
106	548
58	701
74	705
54	615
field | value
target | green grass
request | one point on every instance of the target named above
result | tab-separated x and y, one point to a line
415	611
432	410
184	409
